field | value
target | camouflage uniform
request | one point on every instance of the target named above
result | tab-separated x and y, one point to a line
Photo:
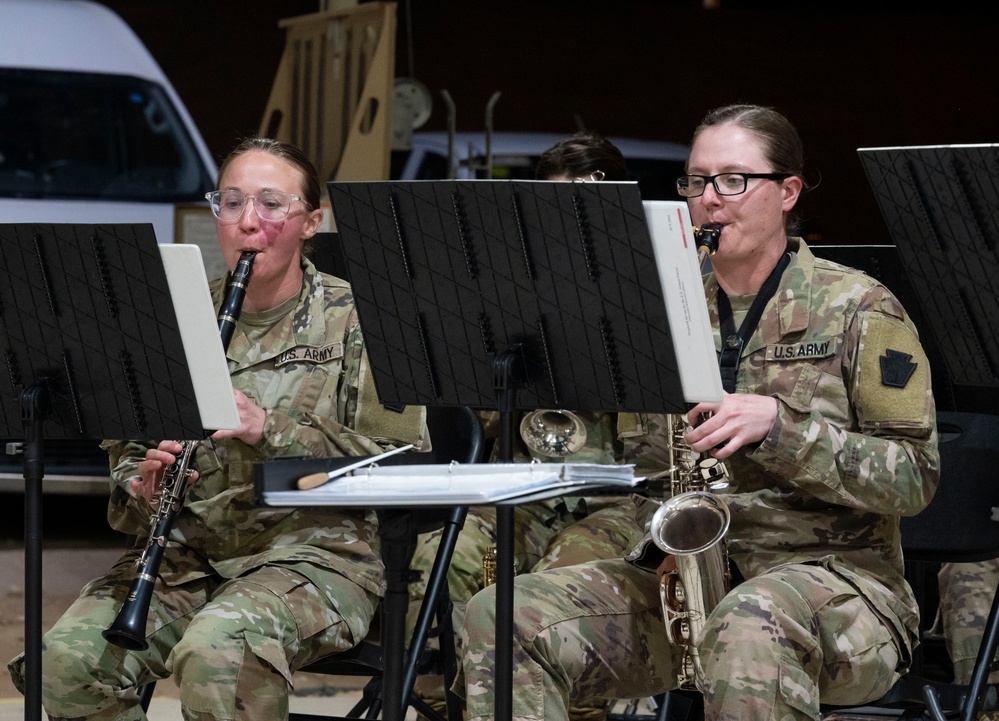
547	534
966	592
825	611
246	594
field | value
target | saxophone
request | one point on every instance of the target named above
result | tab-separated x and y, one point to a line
691	527
128	630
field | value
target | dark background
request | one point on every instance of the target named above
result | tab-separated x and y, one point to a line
848	75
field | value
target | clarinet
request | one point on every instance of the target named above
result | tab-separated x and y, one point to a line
129	628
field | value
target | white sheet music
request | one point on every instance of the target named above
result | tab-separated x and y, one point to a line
199	332
456	484
680	275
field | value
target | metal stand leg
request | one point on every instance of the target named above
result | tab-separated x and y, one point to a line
33	403
398	532
508	374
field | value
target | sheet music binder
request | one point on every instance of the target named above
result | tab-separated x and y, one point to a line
433	484
941	206
447	274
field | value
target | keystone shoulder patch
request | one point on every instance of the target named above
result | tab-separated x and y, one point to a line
896	368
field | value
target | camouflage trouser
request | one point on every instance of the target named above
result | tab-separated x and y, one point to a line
546	536
772	647
966	592
231	647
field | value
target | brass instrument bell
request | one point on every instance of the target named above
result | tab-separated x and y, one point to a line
553	433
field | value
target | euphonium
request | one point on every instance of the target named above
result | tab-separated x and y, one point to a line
129	627
553	433
691	527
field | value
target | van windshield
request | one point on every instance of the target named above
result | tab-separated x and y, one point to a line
88	135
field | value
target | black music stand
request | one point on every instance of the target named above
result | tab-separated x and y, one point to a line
91	350
941	205
511	295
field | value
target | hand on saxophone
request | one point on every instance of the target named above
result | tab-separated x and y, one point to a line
152	469
251	420
720	429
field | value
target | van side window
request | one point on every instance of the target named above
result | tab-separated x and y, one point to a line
83	135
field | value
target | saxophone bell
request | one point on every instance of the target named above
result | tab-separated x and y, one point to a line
690	523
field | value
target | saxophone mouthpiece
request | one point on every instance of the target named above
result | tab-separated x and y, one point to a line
707	237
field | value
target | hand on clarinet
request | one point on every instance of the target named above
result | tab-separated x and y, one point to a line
720	429
151	470
251	420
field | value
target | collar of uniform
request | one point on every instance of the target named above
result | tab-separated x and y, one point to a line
310	317
794	296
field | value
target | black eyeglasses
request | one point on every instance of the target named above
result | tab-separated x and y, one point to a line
691	186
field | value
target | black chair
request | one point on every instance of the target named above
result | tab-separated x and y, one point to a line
957	527
457	435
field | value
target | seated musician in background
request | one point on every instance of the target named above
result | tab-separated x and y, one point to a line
966	593
559	531
245	594
828	430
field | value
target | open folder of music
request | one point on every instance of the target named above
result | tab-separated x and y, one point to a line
457	484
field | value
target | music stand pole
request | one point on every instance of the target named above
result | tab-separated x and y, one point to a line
509	373
34	405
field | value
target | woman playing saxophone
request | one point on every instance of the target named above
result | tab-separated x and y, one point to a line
827	429
245	594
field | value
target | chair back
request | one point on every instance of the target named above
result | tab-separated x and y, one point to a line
961	523
456	434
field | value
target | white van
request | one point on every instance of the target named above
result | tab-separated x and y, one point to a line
91	131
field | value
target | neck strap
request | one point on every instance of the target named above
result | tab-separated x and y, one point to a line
733	341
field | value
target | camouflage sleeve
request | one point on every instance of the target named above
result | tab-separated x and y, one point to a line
880	453
368	428
127	512
645	442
